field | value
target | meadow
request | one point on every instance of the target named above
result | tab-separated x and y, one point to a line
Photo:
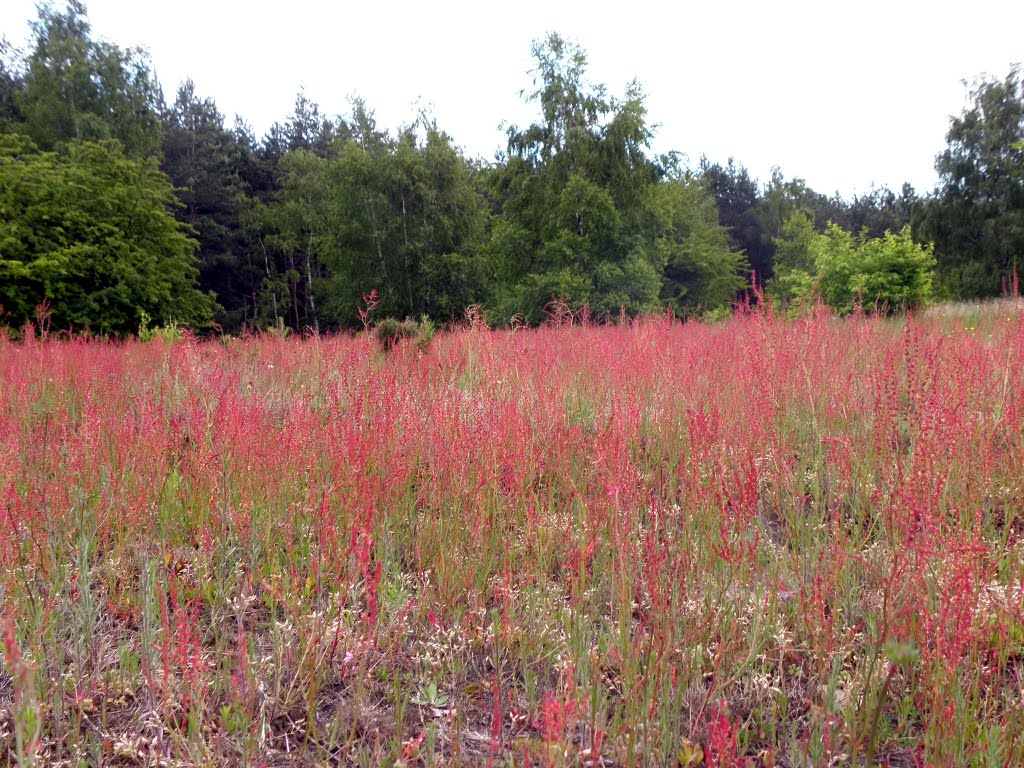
753	543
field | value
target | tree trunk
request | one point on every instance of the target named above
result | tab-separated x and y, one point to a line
273	294
309	283
408	267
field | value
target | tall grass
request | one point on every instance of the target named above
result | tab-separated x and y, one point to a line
758	543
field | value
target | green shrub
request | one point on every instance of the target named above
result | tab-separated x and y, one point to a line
390	332
169	332
890	273
425	333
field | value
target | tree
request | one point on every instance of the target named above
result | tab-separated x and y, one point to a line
784	198
976	217
879	211
79	89
90	232
400	215
202	159
701	269
306	128
297	222
11	84
739	200
583	220
408	221
795	266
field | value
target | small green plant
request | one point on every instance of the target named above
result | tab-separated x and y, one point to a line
168	333
717	315
429	696
900	656
425	333
279	329
390	332
233	719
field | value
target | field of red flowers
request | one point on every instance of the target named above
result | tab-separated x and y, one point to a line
754	543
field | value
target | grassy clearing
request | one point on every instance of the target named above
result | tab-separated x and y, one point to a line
755	543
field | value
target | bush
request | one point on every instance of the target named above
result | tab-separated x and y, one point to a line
90	231
893	271
390	332
168	333
890	273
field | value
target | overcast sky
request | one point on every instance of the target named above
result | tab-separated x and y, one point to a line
844	95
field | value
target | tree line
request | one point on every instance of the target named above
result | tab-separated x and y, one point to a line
119	207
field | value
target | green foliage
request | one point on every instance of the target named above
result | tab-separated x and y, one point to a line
588	218
892	272
738	199
701	271
79	89
976	217
426	330
794	245
296	224
835	265
90	232
389	332
294	228
756	219
403	216
167	333
11	84
202	159
794	269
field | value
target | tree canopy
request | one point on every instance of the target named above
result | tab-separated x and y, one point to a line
89	233
589	217
976	217
79	89
294	228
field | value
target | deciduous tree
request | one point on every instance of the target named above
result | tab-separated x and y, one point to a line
584	219
79	89
976	217
90	232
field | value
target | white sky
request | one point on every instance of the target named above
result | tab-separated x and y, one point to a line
844	95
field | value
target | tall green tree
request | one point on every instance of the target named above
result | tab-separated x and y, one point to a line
90	232
879	211
795	269
402	216
11	84
202	159
702	270
410	223
309	129
739	200
80	89
583	219
976	217
297	223
784	198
